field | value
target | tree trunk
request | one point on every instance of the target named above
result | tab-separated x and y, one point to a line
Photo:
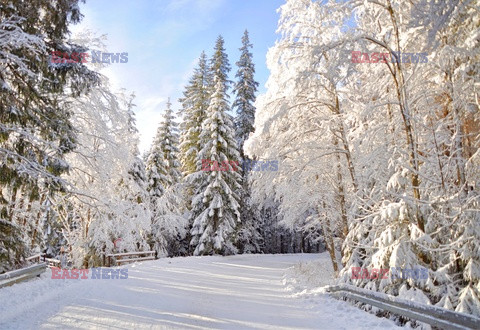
341	193
42	199
329	242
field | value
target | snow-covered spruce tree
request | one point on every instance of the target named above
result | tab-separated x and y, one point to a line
164	185
154	165
35	127
219	67
249	238
194	104
193	112
167	140
215	209
245	90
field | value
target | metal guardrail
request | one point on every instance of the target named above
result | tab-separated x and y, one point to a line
20	275
433	315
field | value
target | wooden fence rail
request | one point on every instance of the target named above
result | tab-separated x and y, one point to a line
52	263
121	258
38	258
35	258
433	315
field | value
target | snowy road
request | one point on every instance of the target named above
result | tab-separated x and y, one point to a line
238	292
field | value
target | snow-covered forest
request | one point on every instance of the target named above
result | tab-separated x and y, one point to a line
377	159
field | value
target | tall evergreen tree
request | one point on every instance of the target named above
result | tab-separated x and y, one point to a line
245	90
249	238
164	154
194	106
155	164
163	172
219	67
215	208
193	111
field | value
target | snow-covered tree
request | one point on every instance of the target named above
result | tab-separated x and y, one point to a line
380	152
164	185
215	208
35	126
245	90
166	144
219	67
107	200
249	238
193	112
133	189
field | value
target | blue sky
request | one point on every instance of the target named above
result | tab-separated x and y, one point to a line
164	39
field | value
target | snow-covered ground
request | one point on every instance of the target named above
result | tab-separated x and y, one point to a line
237	292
